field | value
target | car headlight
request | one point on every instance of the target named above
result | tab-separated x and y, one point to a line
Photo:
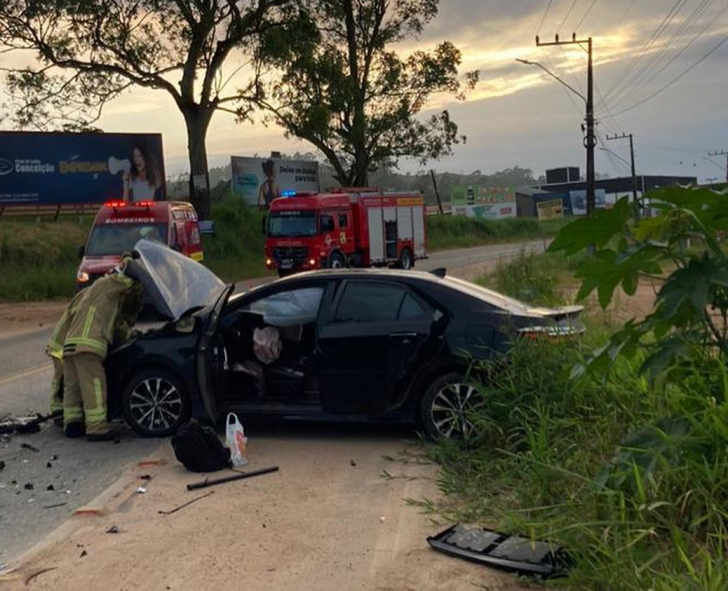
82	277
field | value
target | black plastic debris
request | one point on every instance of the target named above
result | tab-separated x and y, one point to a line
2	465
28	486
499	550
30	447
50	487
22	425
113	530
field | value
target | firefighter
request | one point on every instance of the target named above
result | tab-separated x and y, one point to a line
54	349
106	313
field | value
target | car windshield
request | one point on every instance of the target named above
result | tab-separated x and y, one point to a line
115	239
174	282
292	223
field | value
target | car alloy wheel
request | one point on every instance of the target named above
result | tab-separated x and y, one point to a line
447	407
155	403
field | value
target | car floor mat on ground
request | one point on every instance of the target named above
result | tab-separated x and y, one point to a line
511	553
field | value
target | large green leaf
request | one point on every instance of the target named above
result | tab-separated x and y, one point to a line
597	229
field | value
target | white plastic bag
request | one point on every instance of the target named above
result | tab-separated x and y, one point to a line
236	440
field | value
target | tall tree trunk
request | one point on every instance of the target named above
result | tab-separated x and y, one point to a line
197	121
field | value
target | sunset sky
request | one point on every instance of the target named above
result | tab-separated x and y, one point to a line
660	71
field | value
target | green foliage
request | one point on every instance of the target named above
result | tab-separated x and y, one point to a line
650	515
347	90
446	231
679	245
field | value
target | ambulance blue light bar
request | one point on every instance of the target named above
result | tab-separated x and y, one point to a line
288	193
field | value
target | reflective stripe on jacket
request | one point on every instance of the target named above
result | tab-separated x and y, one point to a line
54	347
92	327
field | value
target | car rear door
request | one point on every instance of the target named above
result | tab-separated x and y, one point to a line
368	341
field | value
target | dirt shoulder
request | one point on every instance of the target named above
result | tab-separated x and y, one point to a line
334	517
18	318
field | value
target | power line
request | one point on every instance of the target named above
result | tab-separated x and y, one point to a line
583	18
568	12
635	60
543	18
650	70
678	77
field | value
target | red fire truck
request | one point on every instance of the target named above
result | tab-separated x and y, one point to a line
347	227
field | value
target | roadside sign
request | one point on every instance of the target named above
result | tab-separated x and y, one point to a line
550	210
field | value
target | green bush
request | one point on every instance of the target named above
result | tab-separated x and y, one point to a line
448	231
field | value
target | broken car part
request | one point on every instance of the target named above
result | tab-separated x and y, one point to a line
499	550
239	476
183	505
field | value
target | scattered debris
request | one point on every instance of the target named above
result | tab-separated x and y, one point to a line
54	457
37	573
207	494
91	511
84	553
30	447
512	553
28	486
22	425
239	476
49	465
352	462
2	465
50	487
113	530
145	477
55	505
141	490
145	463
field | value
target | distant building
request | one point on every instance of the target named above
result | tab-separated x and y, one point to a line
573	191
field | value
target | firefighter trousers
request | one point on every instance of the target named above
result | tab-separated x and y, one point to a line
84	392
57	386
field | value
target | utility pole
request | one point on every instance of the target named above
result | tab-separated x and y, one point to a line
722	153
590	140
634	175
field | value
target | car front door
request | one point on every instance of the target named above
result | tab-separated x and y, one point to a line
368	341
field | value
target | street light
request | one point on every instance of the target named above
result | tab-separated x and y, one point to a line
554	76
588	128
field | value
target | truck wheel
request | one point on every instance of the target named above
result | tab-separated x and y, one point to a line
406	260
446	407
336	261
155	403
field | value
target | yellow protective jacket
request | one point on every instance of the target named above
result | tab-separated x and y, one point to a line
97	319
54	347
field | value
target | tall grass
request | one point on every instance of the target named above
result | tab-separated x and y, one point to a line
447	231
628	474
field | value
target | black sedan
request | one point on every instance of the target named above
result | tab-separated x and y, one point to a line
364	344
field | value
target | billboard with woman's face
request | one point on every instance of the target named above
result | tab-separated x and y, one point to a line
39	168
260	180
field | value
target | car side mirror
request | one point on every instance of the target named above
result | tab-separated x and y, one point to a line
81	251
263	223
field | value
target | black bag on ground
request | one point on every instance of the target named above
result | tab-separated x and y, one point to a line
199	448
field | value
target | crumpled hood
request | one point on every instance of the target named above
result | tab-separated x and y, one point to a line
173	282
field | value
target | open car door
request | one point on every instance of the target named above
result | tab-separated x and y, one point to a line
211	357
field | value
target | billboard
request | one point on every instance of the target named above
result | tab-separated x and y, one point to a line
38	168
479	201
260	180
550	210
578	200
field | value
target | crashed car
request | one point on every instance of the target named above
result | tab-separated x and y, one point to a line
366	344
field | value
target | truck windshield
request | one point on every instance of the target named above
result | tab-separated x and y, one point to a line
292	223
115	239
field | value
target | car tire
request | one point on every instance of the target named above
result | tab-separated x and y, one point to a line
337	261
155	403
446	406
406	260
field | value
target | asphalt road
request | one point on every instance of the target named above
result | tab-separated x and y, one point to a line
37	492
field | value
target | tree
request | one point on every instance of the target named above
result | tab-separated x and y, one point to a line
345	89
90	51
